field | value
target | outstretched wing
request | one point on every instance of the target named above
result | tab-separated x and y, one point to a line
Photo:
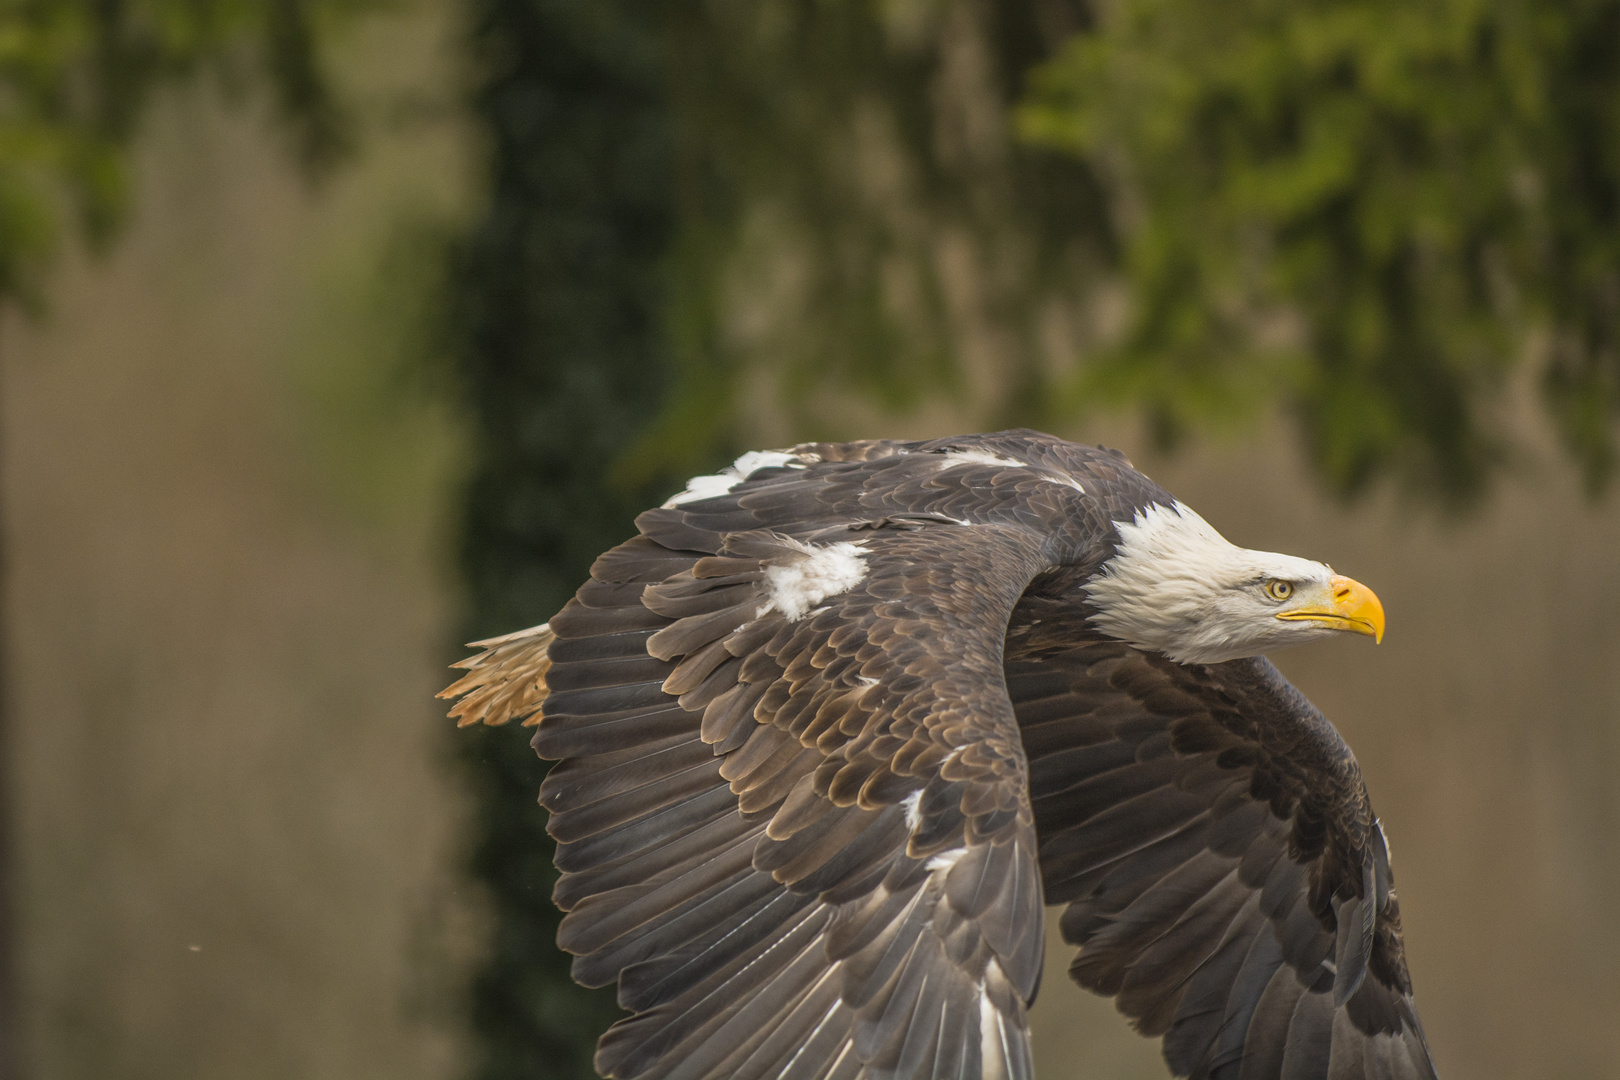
803	777
791	799
1226	880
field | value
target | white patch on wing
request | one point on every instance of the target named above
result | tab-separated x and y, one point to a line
953	458
946	859
796	585
707	487
704	487
913	805
993	1050
755	460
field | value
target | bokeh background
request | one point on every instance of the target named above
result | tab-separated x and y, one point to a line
338	332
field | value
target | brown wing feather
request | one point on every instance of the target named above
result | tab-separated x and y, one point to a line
802	845
1224	876
802	733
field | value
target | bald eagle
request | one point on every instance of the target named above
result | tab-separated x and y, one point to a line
841	721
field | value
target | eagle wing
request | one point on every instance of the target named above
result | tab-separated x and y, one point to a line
1224	876
791	802
819	753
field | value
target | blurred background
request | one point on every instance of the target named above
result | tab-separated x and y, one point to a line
338	332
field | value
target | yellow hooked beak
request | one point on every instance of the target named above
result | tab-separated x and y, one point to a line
1353	607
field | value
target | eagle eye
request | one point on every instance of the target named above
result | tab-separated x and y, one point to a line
1279	590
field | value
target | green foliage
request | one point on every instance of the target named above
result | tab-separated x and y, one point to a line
857	220
1367	211
75	76
560	304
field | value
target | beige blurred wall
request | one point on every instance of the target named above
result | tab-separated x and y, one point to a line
226	516
227	519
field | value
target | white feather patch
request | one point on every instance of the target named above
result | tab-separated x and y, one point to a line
981	457
707	487
704	487
993	1049
954	458
913	805
797	585
946	859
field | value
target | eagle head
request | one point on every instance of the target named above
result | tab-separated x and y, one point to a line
1177	586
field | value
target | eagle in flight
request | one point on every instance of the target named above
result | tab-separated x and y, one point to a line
839	723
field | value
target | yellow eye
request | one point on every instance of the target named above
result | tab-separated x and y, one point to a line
1279	590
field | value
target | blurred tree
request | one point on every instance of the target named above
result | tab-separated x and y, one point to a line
1370	212
75	77
559	303
857	221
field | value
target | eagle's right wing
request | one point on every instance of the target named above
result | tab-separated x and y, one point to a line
1226	880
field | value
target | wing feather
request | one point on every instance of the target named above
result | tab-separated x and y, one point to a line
1226	881
832	726
791	797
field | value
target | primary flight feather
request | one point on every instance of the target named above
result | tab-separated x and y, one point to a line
835	727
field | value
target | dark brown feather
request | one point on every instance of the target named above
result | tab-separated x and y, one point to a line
1225	876
800	828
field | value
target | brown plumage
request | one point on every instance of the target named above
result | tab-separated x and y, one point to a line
831	731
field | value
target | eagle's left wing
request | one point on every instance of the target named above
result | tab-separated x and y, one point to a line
790	800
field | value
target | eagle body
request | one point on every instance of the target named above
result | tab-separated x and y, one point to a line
840	722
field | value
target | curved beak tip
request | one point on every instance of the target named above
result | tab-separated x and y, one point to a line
1358	606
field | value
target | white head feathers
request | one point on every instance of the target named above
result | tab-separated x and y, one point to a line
1179	587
